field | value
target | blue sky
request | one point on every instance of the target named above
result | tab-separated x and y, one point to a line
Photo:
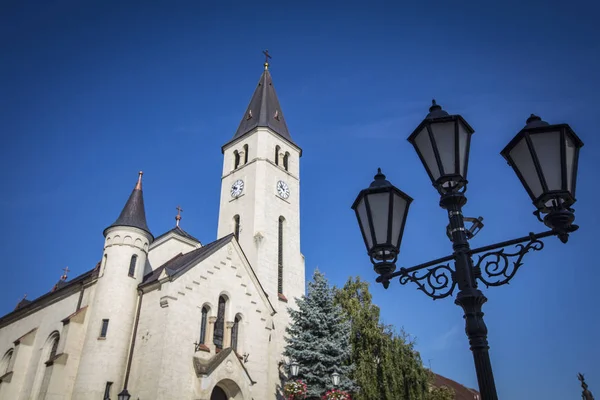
92	94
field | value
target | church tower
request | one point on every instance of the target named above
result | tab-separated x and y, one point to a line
115	300
260	201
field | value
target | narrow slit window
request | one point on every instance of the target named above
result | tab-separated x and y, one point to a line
235	332
107	391
132	265
220	324
280	257
245	154
203	325
277	149
104	329
54	348
236	227
286	159
236	159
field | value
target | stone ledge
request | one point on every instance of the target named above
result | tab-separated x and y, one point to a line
282	297
7	377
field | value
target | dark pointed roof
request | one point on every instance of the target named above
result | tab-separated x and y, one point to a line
264	110
178	231
133	213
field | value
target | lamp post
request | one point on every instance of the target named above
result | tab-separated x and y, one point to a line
124	395
543	156
335	377
294	367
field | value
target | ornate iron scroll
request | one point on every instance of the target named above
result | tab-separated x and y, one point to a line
495	268
437	282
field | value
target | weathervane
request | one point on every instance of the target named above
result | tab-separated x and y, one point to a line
178	216
267	56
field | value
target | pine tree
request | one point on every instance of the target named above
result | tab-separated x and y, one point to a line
318	339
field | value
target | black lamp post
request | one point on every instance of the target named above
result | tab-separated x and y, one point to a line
124	395
545	159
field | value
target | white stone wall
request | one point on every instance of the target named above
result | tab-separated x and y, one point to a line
163	367
104	359
260	208
28	357
168	247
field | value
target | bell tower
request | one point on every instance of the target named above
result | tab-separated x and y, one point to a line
260	194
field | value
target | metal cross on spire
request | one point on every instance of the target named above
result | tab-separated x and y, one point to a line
64	276
178	216
267	57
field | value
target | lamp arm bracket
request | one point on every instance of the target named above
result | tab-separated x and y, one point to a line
496	268
437	282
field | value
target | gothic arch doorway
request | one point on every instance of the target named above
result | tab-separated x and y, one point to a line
226	390
218	394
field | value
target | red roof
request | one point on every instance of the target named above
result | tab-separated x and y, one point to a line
460	392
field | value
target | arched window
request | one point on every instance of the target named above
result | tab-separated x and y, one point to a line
236	159
132	264
236	227
54	347
245	154
286	159
235	332
5	366
280	256
46	363
203	323
220	323
103	266
277	149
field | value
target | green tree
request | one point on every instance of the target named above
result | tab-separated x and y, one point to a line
318	339
441	393
387	367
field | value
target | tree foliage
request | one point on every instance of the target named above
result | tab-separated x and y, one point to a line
318	339
387	367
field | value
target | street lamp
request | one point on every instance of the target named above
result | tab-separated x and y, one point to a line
545	159
124	395
335	377
294	367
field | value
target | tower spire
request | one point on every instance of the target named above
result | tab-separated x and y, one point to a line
133	214
264	109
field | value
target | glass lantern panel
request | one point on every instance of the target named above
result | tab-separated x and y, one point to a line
379	203
364	223
570	160
424	146
523	161
443	134
398	218
463	141
547	149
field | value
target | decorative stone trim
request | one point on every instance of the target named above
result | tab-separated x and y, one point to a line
203	347
164	301
78	316
60	359
26	339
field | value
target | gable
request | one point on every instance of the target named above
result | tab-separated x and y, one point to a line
170	244
221	258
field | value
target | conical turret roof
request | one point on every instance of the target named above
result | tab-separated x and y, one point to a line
264	110
133	213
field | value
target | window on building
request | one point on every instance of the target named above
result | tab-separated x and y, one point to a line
236	227
280	256
132	264
286	159
235	332
107	391
220	324
103	266
5	364
54	348
277	149
245	154
104	329
203	323
236	159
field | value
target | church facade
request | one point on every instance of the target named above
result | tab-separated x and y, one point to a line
168	317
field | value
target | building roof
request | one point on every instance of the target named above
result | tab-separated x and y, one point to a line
134	213
178	231
264	110
460	392
181	261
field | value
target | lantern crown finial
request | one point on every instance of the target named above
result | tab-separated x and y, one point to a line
435	111
380	180
534	122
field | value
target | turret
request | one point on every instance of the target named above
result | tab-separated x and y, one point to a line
113	308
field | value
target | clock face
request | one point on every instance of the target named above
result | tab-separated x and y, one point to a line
283	190
237	188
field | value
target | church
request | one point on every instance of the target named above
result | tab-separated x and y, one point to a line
167	317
